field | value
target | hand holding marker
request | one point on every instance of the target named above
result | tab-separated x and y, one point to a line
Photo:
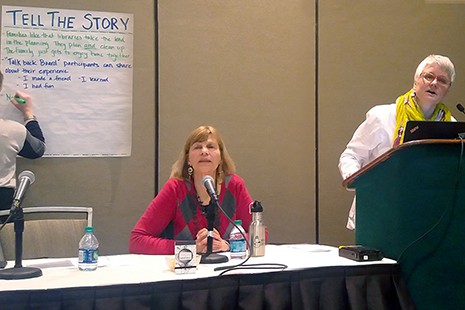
20	100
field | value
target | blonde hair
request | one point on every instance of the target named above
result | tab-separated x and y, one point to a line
201	134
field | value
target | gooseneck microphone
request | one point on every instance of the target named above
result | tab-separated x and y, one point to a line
26	178
460	108
209	257
209	184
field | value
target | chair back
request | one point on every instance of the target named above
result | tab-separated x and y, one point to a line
49	231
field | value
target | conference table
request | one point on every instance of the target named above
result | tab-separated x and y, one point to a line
314	277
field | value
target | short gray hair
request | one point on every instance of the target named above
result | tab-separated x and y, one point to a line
443	62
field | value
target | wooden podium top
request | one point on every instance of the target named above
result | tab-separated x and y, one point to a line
349	182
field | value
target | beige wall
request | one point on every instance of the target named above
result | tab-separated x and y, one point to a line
117	188
247	67
369	51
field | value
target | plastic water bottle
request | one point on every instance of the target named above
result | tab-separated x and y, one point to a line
88	251
257	230
238	245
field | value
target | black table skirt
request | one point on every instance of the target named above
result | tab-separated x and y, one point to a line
327	288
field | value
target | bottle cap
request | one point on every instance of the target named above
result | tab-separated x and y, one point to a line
238	222
89	229
256	206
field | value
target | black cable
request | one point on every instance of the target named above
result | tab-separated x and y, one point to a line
444	213
7	220
271	266
242	264
245	238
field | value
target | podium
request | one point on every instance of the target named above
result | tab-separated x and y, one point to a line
411	205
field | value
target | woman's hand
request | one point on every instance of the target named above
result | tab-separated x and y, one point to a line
219	245
24	105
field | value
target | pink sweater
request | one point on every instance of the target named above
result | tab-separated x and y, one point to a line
175	214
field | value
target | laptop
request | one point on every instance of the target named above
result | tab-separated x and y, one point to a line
420	130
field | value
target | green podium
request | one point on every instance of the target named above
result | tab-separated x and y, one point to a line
411	206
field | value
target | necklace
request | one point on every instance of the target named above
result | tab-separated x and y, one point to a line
199	200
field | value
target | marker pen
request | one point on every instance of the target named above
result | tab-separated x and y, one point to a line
20	100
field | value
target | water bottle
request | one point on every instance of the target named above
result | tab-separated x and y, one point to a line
257	230
88	251
238	245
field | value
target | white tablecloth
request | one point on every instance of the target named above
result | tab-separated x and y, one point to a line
132	268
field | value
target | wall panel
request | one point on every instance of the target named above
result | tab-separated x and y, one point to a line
247	68
369	51
119	189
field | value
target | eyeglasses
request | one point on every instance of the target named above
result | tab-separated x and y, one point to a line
429	78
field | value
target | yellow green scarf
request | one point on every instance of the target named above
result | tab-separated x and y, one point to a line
407	109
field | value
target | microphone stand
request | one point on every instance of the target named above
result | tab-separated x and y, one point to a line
18	271
209	257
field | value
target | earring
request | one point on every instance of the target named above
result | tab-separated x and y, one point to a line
190	170
219	172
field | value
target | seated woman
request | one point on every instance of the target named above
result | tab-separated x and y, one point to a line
176	213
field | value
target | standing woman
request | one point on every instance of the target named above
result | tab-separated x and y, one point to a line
176	213
17	139
384	124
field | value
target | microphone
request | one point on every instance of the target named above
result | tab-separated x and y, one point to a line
209	257
460	108
209	184
26	178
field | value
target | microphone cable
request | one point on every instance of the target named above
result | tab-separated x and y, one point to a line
447	210
13	211
6	221
26	178
261	266
243	265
